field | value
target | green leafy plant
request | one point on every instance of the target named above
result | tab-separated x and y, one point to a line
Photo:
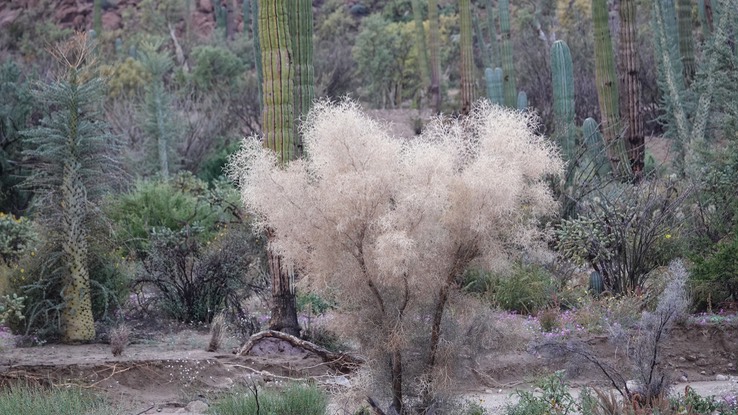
16	235
526	289
54	401
295	399
554	398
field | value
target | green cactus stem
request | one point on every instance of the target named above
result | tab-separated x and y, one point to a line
467	57
562	77
97	16
508	65
686	39
493	80
301	32
629	74
494	47
257	50
522	101
607	87
595	147
421	49
435	56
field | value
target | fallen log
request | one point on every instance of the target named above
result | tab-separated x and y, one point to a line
342	362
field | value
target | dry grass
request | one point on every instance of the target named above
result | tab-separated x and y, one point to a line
217	332
119	339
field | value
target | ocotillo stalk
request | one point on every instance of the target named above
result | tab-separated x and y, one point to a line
494	47
435	58
629	70
278	129
508	66
467	57
607	87
562	77
421	49
301	32
686	39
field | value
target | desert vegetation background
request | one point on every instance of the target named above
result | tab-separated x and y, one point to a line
403	188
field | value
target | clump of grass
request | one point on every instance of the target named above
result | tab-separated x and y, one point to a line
55	401
549	319
119	339
296	399
217	332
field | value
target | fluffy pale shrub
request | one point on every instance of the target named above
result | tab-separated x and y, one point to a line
390	225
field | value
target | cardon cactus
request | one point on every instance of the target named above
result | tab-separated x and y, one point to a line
434	58
596	283
686	38
494	47
467	57
522	101
493	79
630	68
607	87
508	65
301	32
562	75
595	146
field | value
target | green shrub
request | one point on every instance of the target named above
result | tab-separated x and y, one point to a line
296	399
215	67
554	398
526	289
173	205
55	401
16	235
715	277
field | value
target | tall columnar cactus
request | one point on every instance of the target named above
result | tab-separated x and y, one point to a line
221	17
97	17
158	126
494	47
301	33
257	50
704	23
278	128
493	79
629	71
595	147
483	50
420	48
562	75
686	39
467	57
522	101
435	56
607	87
508	65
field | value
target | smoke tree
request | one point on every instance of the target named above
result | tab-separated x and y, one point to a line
389	225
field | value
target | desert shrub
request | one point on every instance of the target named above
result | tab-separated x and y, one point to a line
620	232
554	398
218	331
526	289
11	308
119	339
313	303
715	277
124	78
173	205
16	235
215	67
390	225
295	399
55	401
196	280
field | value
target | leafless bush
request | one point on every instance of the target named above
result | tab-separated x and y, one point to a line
642	345
119	339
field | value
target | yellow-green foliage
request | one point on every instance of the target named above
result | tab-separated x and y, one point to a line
125	78
571	13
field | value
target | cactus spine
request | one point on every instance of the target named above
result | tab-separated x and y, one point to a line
508	66
562	74
435	59
301	32
607	86
467	57
629	71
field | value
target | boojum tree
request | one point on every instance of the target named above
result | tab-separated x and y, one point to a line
389	225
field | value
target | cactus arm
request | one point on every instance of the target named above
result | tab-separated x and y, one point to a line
630	70
420	46
435	59
522	101
607	86
595	147
257	51
301	32
562	74
686	39
467	58
508	65
494	48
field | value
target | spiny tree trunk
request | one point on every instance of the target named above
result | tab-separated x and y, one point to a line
277	124
629	70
